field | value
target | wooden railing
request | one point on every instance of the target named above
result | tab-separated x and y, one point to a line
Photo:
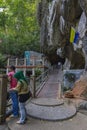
3	95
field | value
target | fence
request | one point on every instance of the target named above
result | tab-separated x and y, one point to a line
40	81
3	95
35	85
21	64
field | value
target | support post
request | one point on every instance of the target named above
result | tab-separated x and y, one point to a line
25	65
33	70
7	66
16	63
3	97
59	91
34	87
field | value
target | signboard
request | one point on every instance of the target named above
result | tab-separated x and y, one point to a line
72	35
27	56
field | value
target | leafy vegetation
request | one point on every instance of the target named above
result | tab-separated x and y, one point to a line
2	60
19	30
37	72
70	77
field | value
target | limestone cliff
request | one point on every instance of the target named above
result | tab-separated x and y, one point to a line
56	17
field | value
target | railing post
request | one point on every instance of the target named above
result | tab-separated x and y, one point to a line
3	97
7	66
25	65
16	63
60	91
33	69
34	86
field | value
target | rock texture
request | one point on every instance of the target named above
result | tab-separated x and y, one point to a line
79	90
56	17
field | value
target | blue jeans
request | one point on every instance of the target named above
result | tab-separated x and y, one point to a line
23	113
14	98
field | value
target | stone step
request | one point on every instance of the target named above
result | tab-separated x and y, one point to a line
50	109
47	102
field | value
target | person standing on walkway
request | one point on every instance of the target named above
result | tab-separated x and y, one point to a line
23	94
13	94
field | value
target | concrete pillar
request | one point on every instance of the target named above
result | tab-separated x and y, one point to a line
3	97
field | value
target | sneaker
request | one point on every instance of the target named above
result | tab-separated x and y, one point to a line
20	123
13	116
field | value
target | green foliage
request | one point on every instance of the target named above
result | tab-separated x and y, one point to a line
2	61
19	30
37	72
70	76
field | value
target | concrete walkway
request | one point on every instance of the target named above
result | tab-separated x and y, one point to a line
48	97
51	87
78	122
50	109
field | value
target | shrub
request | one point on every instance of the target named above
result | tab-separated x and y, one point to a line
37	72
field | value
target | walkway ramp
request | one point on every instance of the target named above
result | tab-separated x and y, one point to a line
50	89
48	105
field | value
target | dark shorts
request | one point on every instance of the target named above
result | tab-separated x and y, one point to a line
24	97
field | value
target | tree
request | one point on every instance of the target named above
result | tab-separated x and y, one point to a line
19	30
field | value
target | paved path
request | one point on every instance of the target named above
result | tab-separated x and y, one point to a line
47	106
50	90
78	122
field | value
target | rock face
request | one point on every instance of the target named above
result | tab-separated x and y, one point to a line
79	90
56	17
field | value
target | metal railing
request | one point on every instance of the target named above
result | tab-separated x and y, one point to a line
37	83
41	80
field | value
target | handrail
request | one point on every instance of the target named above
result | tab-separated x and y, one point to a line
40	81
